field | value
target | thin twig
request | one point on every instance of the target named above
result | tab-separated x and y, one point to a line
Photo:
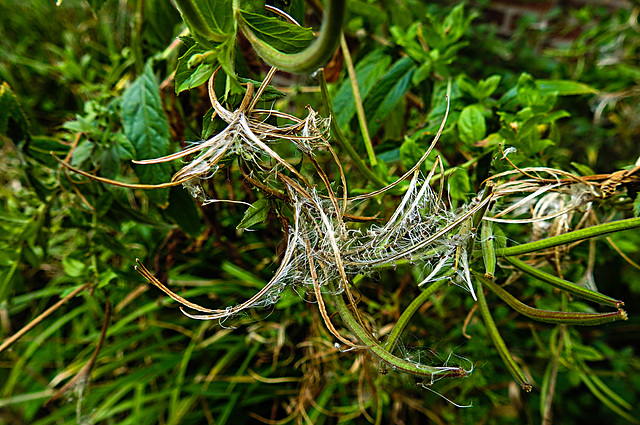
9	341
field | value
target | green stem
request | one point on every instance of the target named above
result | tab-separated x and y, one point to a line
569	318
423	371
508	360
341	140
362	120
314	56
577	235
565	285
408	313
478	215
488	249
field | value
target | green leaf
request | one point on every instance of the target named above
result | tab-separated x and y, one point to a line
9	278
529	94
368	71
13	121
73	267
564	87
422	73
410	153
387	92
110	162
106	277
269	94
488	86
439	105
412	150
527	90
467	85
471	124
211	127
554	116
188	76
126	150
282	36
257	213
636	206
583	169
225	58
459	184
183	211
455	25
209	21
218	14
82	152
146	126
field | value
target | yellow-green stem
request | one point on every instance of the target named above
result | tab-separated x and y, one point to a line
396	363
362	120
569	318
508	360
565	285
576	235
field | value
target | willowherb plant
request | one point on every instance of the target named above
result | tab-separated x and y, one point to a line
328	247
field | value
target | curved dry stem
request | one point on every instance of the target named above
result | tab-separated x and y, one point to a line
321	305
115	182
417	165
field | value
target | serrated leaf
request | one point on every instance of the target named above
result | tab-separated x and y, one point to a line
146	126
256	213
368	71
280	35
471	124
387	92
188	40
218	14
126	150
13	121
210	21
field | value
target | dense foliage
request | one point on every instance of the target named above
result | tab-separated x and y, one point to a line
358	290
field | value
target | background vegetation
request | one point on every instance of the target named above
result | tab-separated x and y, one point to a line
120	351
